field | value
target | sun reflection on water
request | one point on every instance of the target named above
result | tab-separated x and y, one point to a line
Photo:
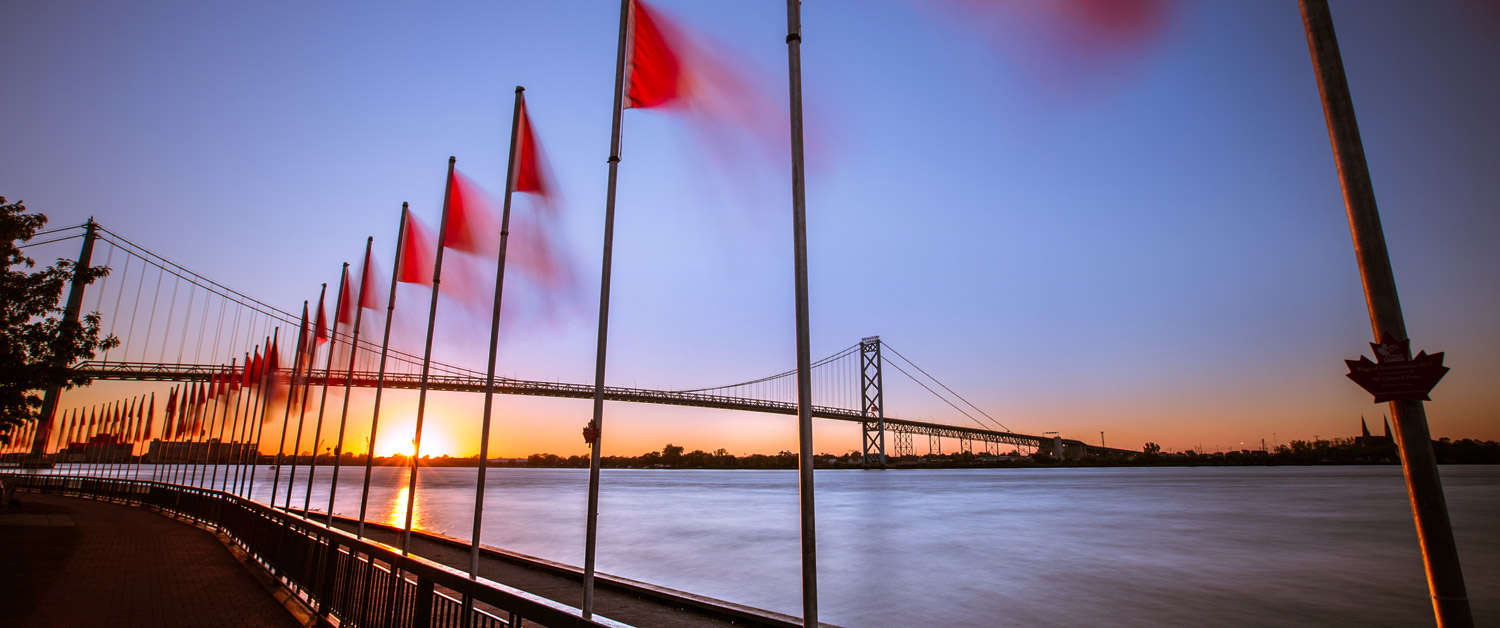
398	504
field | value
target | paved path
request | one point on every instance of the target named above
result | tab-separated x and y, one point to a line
78	562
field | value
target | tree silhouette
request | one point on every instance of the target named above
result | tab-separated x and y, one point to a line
36	345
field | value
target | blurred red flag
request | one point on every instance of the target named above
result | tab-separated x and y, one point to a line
320	328
168	414
653	69
140	421
417	257
252	370
183	408
472	227
530	168
344	307
150	416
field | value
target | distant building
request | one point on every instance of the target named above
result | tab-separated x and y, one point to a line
206	451
1366	440
100	448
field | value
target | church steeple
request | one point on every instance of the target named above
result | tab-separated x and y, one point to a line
1364	430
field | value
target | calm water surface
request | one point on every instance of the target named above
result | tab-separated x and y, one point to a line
1248	546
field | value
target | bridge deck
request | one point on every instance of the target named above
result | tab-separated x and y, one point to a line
464	382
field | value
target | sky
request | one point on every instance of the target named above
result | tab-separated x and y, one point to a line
1138	232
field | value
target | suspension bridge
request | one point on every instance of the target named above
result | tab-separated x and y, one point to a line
176	325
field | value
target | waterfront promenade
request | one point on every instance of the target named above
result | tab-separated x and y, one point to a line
81	562
621	599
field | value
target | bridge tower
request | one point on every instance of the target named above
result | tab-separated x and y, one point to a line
69	326
872	405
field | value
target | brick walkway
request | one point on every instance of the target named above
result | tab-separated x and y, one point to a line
79	562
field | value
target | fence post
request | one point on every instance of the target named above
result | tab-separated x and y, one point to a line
422	612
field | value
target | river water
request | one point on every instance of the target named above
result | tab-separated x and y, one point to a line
1244	546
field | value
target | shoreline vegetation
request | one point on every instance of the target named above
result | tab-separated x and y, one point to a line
1338	451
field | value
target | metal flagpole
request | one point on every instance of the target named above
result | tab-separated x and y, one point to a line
241	401
271	357
286	416
231	393
489	377
804	351
184	408
161	441
1445	579
140	430
333	334
311	347
218	415
385	345
416	443
248	402
359	310
200	467
594	433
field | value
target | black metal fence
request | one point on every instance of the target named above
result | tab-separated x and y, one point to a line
354	582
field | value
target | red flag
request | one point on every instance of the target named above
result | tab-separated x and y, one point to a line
417	257
345	306
252	373
150	415
530	168
228	380
140	421
471	221
169	414
320	328
190	413
369	293
654	71
183	408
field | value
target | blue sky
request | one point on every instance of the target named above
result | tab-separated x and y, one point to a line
1152	246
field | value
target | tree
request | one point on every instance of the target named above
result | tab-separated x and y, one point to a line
36	345
671	454
1151	449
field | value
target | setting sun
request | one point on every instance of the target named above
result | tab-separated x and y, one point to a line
398	438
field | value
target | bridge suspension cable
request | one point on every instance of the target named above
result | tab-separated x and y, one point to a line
207	301
935	380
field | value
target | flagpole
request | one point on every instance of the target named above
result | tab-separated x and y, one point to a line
312	354
259	425
240	403
202	436
231	392
286	416
1445	578
596	426
184	425
804	351
489	377
333	334
185	469
359	310
140	429
416	443
242	418
219	415
385	345
162	440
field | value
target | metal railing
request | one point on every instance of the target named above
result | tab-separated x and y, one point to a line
355	582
